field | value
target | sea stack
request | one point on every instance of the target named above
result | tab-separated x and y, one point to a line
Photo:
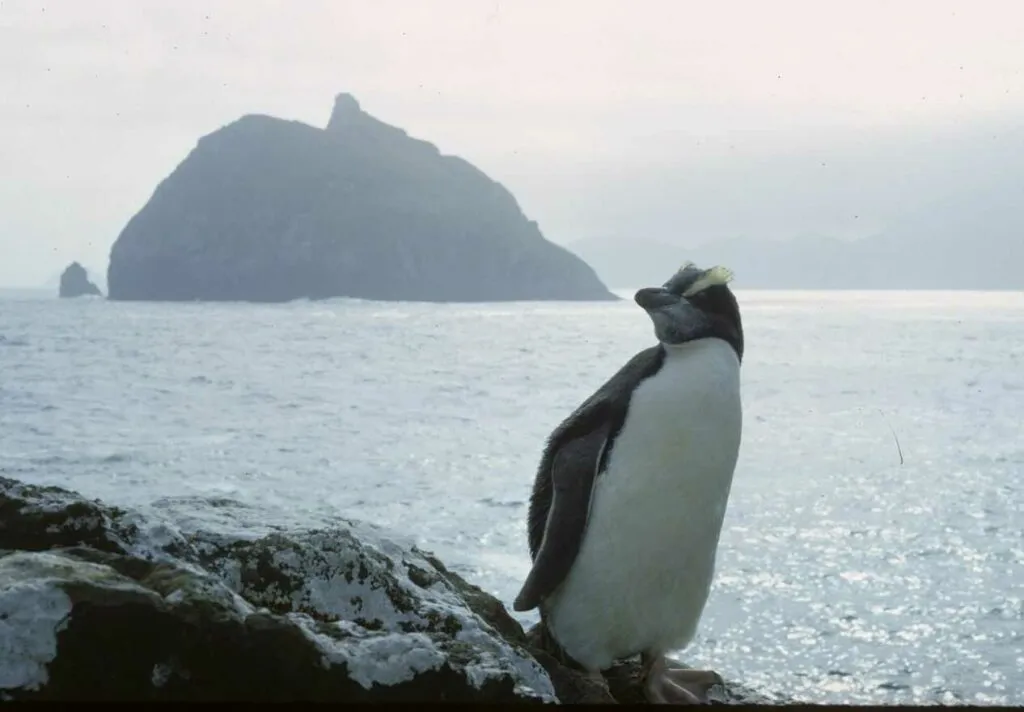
74	282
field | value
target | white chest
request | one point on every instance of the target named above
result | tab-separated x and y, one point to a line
645	567
682	431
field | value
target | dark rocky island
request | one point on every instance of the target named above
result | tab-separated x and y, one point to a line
74	282
100	603
270	210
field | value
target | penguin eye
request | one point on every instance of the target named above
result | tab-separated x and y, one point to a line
703	301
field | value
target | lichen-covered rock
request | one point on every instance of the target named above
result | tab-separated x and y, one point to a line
386	612
101	603
82	624
38	518
97	604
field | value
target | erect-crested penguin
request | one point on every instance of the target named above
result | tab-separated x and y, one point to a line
631	491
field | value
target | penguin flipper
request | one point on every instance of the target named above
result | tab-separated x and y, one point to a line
574	467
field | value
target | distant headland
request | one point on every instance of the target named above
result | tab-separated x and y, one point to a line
269	210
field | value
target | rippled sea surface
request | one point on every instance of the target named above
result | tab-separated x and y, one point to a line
844	575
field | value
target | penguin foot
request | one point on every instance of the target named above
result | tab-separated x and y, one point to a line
668	684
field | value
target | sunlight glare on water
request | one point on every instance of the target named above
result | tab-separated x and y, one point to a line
843	575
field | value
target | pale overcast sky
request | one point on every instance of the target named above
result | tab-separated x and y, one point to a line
103	98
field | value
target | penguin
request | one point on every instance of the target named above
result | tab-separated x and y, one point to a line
631	491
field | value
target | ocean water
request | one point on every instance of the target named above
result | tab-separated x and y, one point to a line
873	550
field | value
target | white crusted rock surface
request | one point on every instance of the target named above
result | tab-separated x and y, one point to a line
98	603
32	611
125	607
393	611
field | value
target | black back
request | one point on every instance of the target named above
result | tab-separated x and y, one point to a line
575	455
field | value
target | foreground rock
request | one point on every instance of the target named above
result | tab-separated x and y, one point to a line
271	210
97	604
100	603
74	282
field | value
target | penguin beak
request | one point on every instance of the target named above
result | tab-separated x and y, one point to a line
655	298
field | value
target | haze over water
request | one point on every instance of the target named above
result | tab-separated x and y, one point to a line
844	575
680	123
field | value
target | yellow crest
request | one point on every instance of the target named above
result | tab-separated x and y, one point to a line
711	277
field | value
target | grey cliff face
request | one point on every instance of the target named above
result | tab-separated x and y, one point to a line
74	282
272	210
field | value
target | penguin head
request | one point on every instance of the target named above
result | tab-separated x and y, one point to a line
694	304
